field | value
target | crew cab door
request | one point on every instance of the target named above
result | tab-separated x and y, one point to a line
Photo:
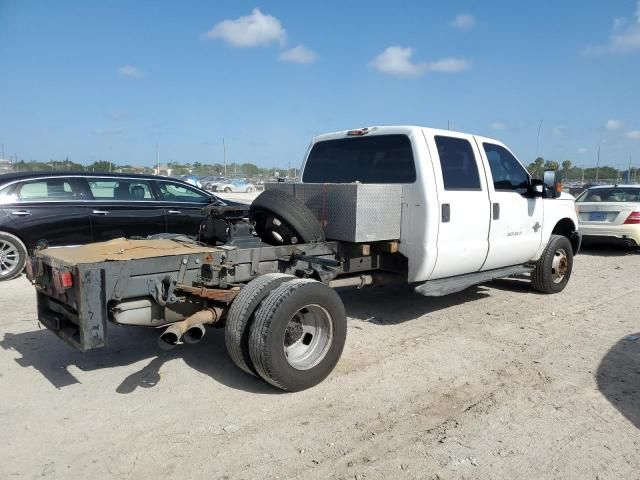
516	219
463	205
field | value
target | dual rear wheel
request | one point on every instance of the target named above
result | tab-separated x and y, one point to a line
289	331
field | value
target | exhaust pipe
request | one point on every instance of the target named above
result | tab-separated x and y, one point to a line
191	329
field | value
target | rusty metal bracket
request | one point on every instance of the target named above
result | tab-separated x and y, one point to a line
217	294
163	291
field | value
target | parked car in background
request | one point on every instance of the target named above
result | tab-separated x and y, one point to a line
610	213
212	183
236	186
69	209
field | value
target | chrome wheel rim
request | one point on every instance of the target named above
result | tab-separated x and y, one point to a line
9	258
559	265
308	337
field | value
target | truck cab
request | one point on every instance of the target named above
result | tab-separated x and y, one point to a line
468	204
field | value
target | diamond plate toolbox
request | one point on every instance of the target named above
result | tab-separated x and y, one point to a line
351	212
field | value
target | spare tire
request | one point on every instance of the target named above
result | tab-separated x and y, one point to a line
281	219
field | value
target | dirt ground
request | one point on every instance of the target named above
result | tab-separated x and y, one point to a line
494	382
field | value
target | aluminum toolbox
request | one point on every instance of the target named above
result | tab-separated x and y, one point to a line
351	212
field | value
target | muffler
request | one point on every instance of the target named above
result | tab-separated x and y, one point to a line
190	330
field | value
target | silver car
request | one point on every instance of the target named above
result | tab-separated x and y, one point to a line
610	213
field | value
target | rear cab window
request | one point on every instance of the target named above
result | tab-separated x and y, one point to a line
368	159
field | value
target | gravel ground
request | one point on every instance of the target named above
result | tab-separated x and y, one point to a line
493	382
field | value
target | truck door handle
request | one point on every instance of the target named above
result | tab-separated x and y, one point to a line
496	211
446	212
174	212
101	212
21	213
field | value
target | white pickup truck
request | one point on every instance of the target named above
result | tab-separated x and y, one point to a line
438	209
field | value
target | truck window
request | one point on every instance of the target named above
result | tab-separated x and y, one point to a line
374	159
506	171
458	163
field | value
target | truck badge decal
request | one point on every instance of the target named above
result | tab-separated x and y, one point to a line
536	227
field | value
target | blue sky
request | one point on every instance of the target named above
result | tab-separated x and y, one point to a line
107	80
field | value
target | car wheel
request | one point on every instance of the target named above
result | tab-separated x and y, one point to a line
227	190
13	256
298	335
281	219
249	189
553	268
241	314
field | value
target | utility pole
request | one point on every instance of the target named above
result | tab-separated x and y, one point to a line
598	158
224	156
538	140
157	159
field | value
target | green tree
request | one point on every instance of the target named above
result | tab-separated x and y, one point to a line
551	165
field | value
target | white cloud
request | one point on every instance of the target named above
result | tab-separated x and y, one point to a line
583	150
464	21
397	61
624	37
634	134
129	71
612	125
299	54
498	126
254	30
449	65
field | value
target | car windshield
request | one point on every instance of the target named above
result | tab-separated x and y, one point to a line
613	194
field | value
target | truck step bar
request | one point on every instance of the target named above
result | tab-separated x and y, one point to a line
445	286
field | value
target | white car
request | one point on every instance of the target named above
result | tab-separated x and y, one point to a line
236	186
610	213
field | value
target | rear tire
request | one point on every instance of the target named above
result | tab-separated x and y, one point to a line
298	335
13	256
240	318
281	219
553	269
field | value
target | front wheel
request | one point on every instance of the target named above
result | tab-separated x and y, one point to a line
553	268
298	335
13	256
227	190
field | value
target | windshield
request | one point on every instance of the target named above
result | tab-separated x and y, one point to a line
375	159
613	194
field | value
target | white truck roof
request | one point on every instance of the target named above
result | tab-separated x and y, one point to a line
394	129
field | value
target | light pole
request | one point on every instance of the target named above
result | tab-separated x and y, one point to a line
224	156
598	159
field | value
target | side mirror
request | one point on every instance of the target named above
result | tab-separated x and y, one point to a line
552	184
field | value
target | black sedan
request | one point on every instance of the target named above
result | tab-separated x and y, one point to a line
56	209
